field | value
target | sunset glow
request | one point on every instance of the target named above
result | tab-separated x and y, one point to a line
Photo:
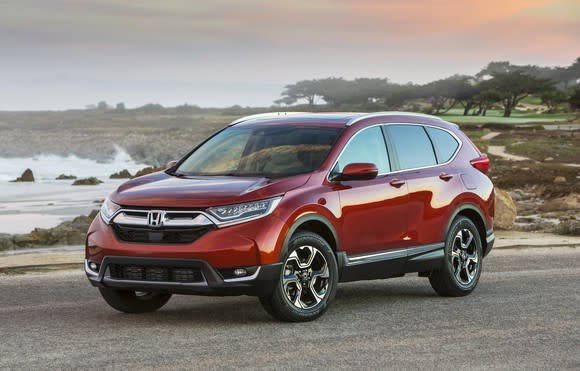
66	53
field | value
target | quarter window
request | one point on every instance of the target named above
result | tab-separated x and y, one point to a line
413	147
367	146
444	143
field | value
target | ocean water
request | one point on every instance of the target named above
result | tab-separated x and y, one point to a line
47	202
47	167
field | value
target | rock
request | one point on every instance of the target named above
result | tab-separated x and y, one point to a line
549	159
570	228
87	181
6	241
65	177
67	233
560	179
147	170
123	174
517	194
505	210
568	202
26	176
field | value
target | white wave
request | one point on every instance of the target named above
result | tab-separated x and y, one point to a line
47	167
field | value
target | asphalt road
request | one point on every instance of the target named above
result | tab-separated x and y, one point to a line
525	314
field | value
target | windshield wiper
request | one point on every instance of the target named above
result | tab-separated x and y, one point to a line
176	174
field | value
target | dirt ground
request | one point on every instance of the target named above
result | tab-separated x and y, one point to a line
540	168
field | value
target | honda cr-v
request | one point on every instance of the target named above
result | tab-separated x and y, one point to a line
286	206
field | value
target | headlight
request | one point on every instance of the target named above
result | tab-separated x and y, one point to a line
108	209
232	214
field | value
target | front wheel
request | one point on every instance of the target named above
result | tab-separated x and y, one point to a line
307	282
463	260
134	301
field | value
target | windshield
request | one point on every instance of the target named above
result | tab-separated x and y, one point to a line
272	151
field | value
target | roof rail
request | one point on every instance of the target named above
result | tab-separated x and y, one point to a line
388	113
264	116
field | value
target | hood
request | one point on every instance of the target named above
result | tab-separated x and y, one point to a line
166	191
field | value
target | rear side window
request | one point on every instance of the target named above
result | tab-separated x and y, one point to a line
413	147
444	143
368	146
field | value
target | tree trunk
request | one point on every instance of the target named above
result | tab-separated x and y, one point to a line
467	108
508	107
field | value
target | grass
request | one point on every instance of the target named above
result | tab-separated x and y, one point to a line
560	148
532	99
496	117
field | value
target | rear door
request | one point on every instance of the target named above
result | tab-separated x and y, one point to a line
373	211
420	153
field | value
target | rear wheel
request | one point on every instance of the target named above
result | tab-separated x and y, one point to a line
463	260
307	282
134	301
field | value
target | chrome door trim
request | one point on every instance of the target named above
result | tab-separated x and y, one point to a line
393	254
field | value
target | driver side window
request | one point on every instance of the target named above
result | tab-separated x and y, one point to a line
368	145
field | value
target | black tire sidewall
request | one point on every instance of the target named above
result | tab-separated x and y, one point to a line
280	305
459	224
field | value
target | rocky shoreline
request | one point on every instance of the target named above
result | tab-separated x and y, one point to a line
67	233
73	232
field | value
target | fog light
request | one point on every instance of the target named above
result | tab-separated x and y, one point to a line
239	272
94	266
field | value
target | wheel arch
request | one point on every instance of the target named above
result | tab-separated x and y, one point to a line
315	223
473	213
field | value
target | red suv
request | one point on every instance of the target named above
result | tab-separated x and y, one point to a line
284	206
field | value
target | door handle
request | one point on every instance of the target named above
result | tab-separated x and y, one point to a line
446	177
397	183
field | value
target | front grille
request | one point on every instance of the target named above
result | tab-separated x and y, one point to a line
161	236
155	273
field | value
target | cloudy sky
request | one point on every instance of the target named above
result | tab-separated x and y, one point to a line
59	54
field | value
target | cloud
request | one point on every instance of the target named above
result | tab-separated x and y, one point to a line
270	42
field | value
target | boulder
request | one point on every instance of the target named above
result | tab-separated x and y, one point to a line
560	179
570	228
147	170
505	210
87	181
26	176
67	233
123	174
65	177
6	241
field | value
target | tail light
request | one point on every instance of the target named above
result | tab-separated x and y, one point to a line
481	163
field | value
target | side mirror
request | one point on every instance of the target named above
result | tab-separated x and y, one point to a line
357	171
170	164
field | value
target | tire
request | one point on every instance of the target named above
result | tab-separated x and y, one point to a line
308	280
134	301
463	263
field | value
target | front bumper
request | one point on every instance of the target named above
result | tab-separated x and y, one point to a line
262	282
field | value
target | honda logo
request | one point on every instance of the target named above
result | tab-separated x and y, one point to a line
155	218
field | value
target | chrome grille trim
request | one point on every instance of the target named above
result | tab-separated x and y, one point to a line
169	219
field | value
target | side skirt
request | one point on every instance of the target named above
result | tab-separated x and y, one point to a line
392	263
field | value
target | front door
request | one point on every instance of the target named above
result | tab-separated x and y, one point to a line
374	212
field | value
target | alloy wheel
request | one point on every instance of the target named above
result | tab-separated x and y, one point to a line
464	257
305	277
